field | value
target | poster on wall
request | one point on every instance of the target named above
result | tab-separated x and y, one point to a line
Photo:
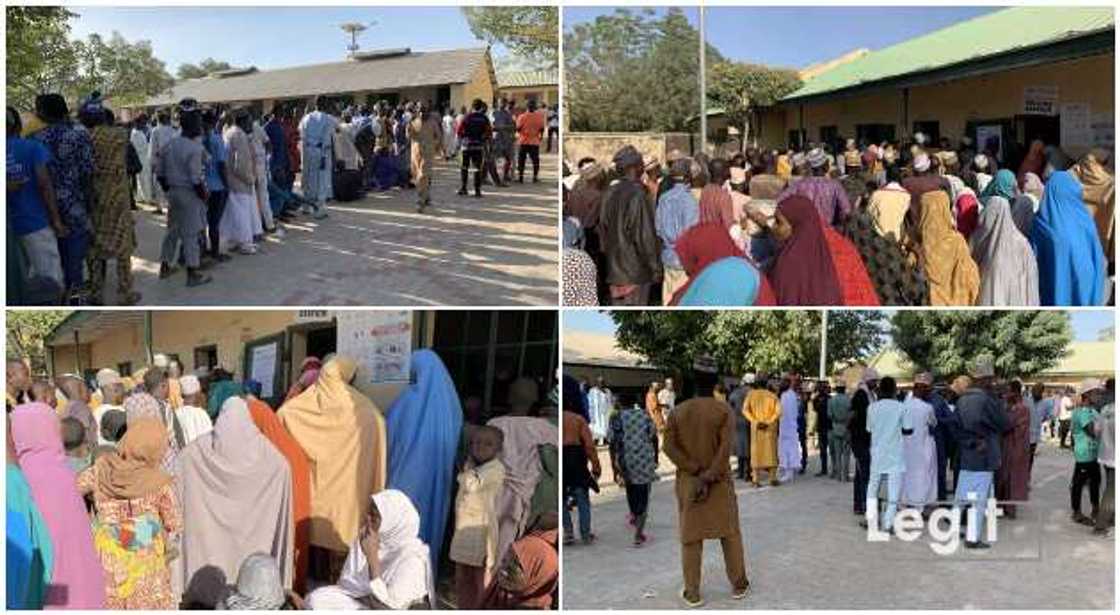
1076	125
262	367
1103	131
1040	100
990	139
381	343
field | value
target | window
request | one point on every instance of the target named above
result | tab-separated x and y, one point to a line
797	137
829	135
206	356
124	369
874	133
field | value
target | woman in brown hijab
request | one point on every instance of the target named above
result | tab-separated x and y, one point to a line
136	511
1099	195
954	278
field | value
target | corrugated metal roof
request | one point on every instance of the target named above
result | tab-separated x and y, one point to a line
528	78
1004	31
417	69
92	325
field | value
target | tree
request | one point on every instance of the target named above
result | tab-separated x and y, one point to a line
27	335
202	69
853	336
1107	334
40	56
127	73
742	89
670	340
948	343
633	72
530	31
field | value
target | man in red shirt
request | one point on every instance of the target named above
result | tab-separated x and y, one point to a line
530	128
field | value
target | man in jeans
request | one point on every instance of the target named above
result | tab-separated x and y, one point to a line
1086	470
579	451
530	128
32	210
982	423
887	421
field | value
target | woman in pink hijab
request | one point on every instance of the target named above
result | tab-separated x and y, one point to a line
308	374
77	578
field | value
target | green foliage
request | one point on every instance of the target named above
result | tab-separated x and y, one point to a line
530	31
202	69
742	89
41	59
739	341
948	343
854	336
632	71
27	334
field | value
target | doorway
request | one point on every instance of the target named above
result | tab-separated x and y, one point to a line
1045	128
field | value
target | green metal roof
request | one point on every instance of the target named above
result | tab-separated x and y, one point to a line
528	78
1009	30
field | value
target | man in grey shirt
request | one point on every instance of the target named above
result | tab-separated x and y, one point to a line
180	174
504	138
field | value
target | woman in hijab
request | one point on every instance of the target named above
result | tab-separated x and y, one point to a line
236	490
30	554
1022	213
529	576
718	273
308	373
388	565
1099	195
816	265
953	276
136	512
967	212
77	580
270	426
580	273
897	278
424	426
1032	189
1035	160
1008	270
343	435
258	588
1071	263
143	406
1003	184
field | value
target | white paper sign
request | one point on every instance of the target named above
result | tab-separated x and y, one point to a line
1103	129
262	367
303	316
1076	125
1040	100
381	343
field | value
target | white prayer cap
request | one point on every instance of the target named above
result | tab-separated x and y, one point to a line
980	161
870	374
921	163
161	360
107	377
817	158
850	142
748	378
1089	384
190	384
983	369
924	378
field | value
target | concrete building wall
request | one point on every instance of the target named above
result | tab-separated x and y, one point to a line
481	86
955	103
548	94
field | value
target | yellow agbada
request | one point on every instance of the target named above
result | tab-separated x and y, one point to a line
954	278
761	407
343	434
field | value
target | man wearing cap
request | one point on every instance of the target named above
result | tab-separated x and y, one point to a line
789	433
677	211
839	411
192	414
887	422
629	234
1086	469
112	398
919	482
316	131
983	422
742	443
827	194
763	411
925	180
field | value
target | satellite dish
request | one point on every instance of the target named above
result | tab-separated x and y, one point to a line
355	28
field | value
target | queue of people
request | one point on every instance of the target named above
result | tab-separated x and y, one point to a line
861	224
164	491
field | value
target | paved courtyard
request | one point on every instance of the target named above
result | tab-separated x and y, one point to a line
495	251
805	550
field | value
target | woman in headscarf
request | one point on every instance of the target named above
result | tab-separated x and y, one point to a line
143	406
897	278
236	492
343	434
1032	189
1071	263
76	578
1003	184
308	374
718	273
270	426
1034	161
30	554
580	275
953	276
1099	195
523	438
1022	213
388	565
424	425
716	206
1008	270
529	575
220	391
258	587
816	265
136	512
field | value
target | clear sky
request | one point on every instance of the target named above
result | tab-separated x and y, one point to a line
1086	325
798	36
275	37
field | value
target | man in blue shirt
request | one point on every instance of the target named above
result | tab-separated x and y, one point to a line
1042	410
32	212
215	168
677	211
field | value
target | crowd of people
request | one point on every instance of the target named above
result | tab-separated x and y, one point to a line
225	177
916	223
952	446
158	490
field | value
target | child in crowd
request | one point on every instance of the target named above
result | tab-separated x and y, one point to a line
78	454
475	544
43	391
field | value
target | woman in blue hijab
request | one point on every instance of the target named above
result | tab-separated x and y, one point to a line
1071	262
30	552
424	425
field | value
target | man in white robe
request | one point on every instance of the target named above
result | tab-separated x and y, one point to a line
139	140
236	227
789	445
316	132
192	416
600	402
919	449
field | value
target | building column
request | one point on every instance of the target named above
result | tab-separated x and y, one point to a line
905	132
